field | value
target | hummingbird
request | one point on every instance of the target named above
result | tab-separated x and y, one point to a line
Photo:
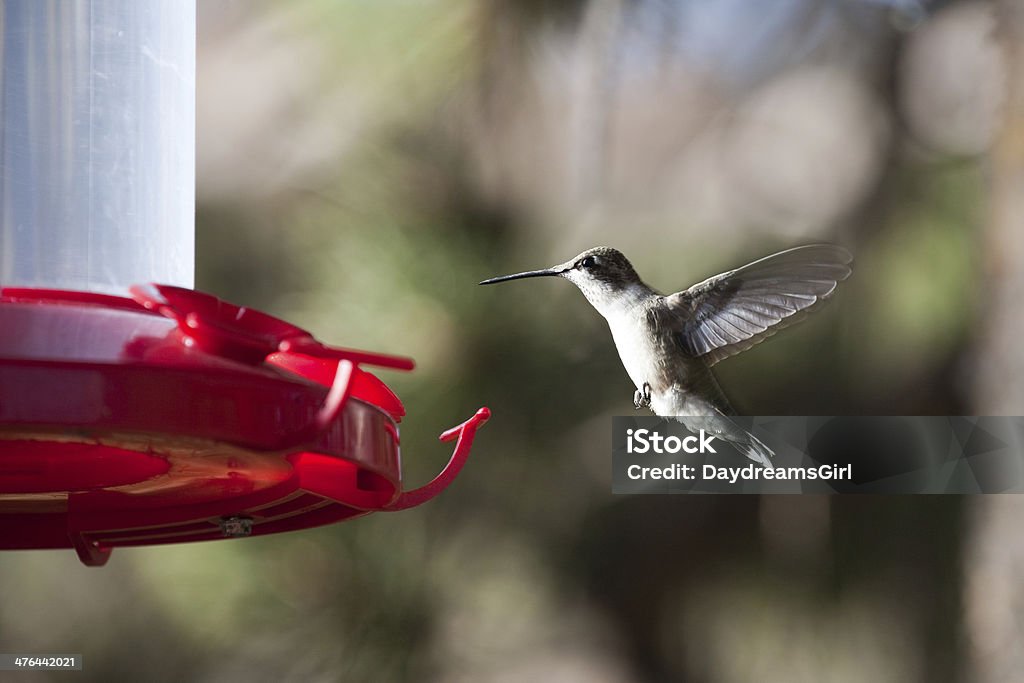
669	343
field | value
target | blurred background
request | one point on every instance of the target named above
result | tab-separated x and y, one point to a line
361	165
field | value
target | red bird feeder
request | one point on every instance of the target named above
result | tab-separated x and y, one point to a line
166	415
173	416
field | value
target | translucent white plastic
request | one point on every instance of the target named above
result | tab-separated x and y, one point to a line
97	145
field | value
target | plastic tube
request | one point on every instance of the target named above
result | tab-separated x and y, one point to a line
97	143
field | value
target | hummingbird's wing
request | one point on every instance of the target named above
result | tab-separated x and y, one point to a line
731	312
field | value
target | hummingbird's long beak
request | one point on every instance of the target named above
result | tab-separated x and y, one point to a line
546	272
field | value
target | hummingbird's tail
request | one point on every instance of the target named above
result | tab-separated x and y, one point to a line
755	449
723	427
698	412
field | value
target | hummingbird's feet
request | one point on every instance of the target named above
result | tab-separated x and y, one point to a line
642	397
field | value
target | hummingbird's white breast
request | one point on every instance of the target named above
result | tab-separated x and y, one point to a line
639	356
640	349
648	348
651	356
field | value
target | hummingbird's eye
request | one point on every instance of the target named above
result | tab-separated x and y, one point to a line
587	262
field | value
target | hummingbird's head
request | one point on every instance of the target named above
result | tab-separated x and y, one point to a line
603	274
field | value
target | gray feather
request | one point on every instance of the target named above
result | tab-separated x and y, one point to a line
731	312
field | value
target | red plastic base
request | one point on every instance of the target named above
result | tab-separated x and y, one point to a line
174	416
